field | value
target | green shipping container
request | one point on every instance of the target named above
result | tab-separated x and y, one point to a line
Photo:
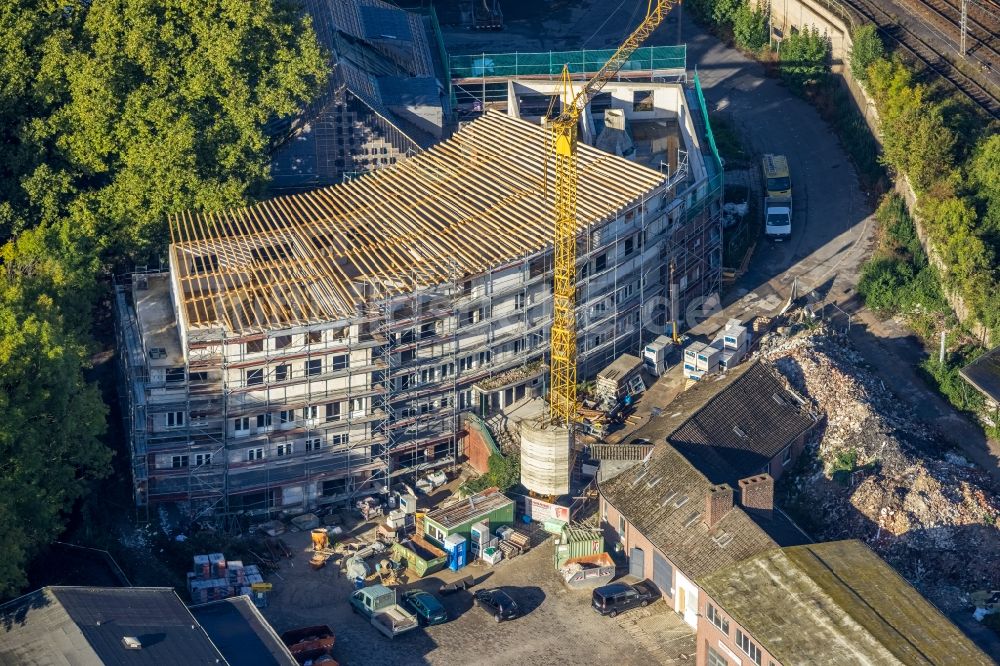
421	557
576	542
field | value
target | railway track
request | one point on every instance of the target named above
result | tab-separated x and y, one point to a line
913	44
981	37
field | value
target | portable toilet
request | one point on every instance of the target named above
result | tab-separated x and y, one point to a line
455	546
479	535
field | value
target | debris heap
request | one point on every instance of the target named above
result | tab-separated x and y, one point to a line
877	473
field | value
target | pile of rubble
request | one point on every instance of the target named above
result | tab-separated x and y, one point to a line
877	473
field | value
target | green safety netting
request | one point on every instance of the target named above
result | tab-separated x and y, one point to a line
700	198
479	65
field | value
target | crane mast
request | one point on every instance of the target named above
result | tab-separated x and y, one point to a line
562	396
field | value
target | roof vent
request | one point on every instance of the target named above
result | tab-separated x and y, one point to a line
723	539
131	643
158	352
739	432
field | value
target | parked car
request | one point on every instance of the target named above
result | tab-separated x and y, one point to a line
497	602
425	606
619	597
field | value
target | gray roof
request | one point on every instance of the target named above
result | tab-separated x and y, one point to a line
696	447
984	374
85	625
836	603
471	508
665	500
241	633
383	59
735	427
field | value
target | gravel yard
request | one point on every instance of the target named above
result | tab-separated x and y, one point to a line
558	625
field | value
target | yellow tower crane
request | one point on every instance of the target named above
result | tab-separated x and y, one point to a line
562	397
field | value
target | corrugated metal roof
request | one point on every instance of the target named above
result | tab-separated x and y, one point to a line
469	509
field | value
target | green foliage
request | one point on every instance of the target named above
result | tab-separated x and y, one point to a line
803	57
898	278
866	50
984	178
724	11
945	378
504	472
49	436
844	465
915	139
750	28
113	114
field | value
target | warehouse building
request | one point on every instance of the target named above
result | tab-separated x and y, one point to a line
319	345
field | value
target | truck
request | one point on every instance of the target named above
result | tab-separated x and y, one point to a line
378	604
778	217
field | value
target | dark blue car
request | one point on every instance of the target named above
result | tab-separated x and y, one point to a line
425	606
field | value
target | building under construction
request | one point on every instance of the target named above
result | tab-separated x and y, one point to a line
319	345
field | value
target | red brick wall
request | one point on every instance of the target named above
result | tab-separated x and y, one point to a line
476	450
724	644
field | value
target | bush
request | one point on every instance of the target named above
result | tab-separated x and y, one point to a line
803	57
724	11
750	28
504	472
898	277
867	49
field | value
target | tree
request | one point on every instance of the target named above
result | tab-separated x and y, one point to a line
161	106
866	50
750	28
113	114
984	176
50	444
803	57
724	11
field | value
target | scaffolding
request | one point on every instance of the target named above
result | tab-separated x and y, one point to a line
285	407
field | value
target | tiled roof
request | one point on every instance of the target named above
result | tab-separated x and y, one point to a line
742	425
665	500
836	603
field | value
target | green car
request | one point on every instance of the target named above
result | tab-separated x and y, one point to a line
425	606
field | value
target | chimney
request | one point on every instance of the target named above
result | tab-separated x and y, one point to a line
718	502
757	493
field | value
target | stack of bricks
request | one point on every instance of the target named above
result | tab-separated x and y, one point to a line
215	578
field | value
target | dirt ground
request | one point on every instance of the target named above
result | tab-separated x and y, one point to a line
558	626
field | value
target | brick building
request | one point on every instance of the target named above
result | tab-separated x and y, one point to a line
822	604
703	499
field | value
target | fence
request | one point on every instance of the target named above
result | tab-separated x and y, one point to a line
550	64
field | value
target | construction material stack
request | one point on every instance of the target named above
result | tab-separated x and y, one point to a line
656	354
701	359
214	578
735	340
